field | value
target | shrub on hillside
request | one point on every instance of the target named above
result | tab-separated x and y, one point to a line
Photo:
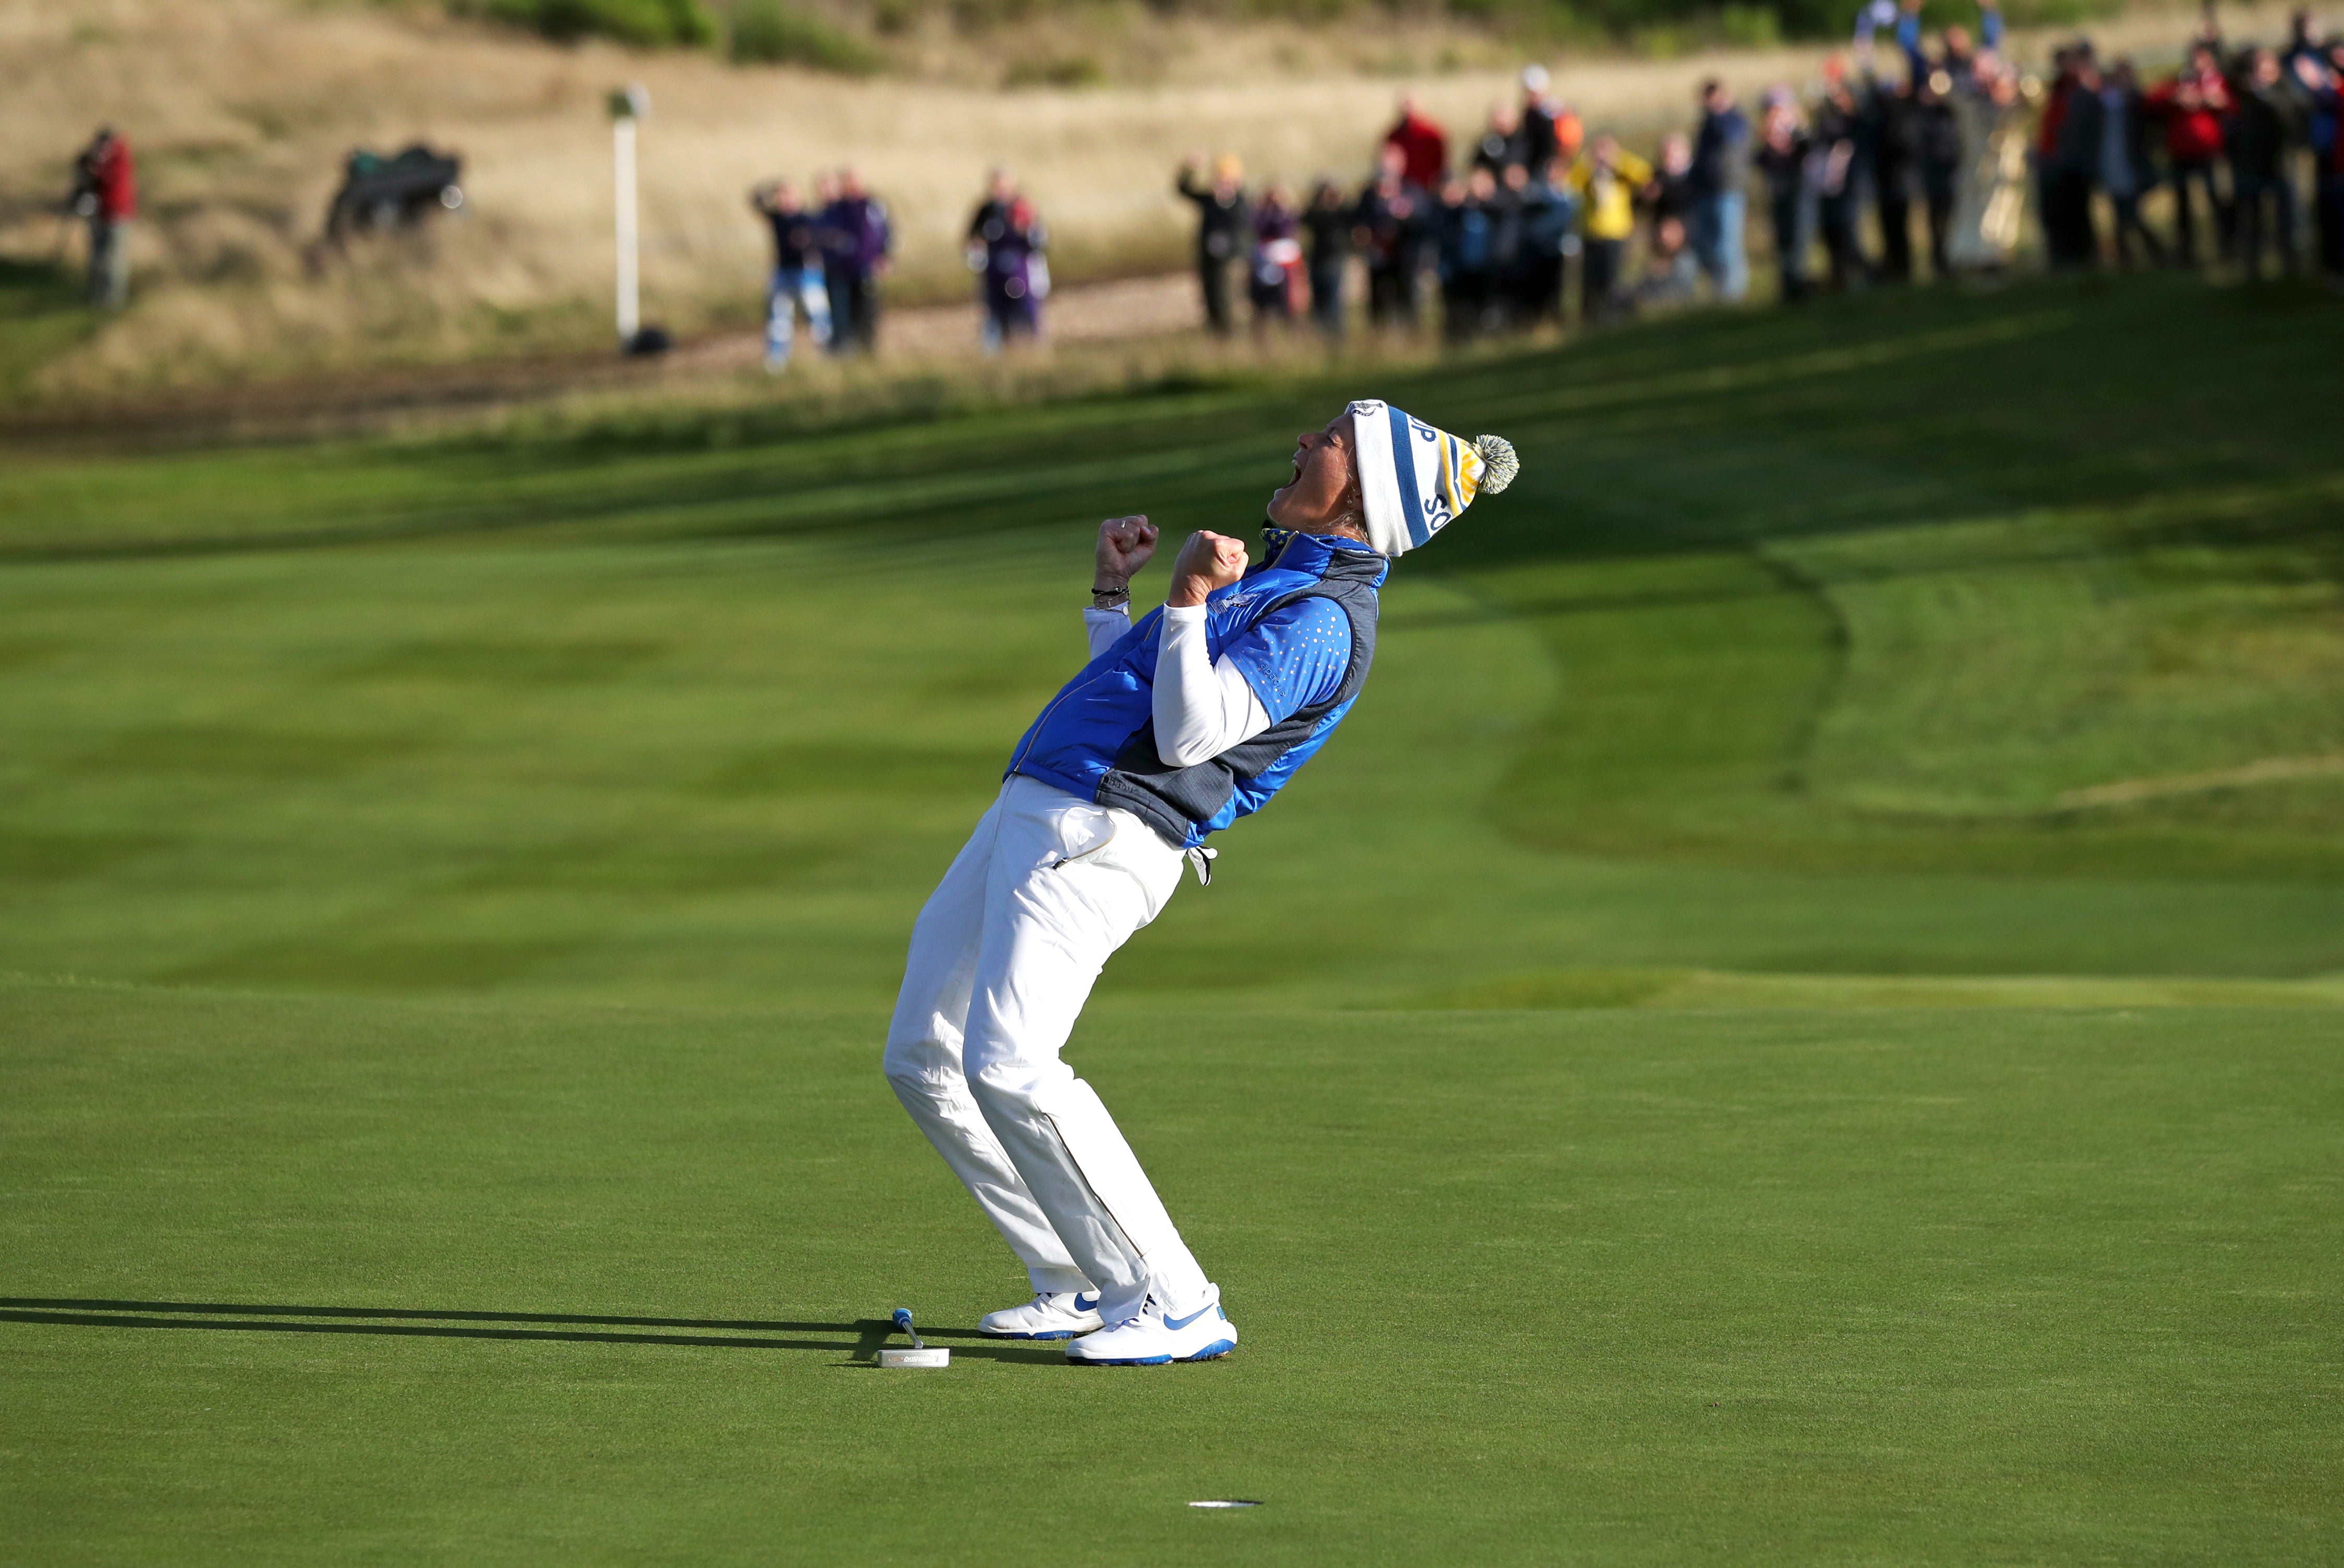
1749	26
2057	13
647	24
767	32
1072	71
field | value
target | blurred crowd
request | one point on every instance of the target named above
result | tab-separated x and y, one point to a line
829	254
1911	146
2236	130
1490	232
1913	154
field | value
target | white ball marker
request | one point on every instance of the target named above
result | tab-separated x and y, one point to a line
920	1354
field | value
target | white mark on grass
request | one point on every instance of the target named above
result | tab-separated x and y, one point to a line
1228	1502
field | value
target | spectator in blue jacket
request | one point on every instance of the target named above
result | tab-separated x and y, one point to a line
1717	180
1960	55
1468	254
2126	172
2322	82
1549	217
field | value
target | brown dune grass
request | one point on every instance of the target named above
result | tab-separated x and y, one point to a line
240	111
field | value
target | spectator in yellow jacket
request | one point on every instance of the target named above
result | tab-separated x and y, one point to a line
1610	180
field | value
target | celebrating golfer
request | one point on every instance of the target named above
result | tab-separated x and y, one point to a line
1176	728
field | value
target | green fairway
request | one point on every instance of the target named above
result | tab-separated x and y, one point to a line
1973	638
1799	1020
1570	1287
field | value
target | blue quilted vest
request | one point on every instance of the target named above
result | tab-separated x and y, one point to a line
1096	738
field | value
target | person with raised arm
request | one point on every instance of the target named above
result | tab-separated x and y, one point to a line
1180	725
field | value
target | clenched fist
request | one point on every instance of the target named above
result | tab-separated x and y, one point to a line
1125	546
1207	561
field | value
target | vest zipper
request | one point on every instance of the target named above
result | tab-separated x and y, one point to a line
1035	734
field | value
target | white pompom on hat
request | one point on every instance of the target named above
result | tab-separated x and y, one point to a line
1417	480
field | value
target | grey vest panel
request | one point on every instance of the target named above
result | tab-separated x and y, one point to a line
1173	799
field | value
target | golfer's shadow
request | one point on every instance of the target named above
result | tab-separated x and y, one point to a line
860	1339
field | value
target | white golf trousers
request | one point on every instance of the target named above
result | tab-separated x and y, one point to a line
1002	958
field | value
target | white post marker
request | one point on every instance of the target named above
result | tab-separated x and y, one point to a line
920	1354
627	107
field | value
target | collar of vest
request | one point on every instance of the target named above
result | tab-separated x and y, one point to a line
1289	550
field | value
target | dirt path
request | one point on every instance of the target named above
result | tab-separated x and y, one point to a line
1083	313
1128	309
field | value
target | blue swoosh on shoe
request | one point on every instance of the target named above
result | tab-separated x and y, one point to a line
1086	1303
1177	1324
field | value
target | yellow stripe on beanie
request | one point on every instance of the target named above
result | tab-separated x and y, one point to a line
1417	478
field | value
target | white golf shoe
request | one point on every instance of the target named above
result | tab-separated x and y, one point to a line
1154	1338
1050	1315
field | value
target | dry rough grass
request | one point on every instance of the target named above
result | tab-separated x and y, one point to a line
240	111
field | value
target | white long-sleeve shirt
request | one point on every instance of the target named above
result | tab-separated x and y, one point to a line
1201	708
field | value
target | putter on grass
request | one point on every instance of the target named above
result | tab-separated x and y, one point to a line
920	1354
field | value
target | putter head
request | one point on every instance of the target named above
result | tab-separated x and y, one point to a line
919	1355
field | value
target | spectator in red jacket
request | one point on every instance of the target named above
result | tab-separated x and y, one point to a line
105	192
2055	102
1422	144
2193	107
